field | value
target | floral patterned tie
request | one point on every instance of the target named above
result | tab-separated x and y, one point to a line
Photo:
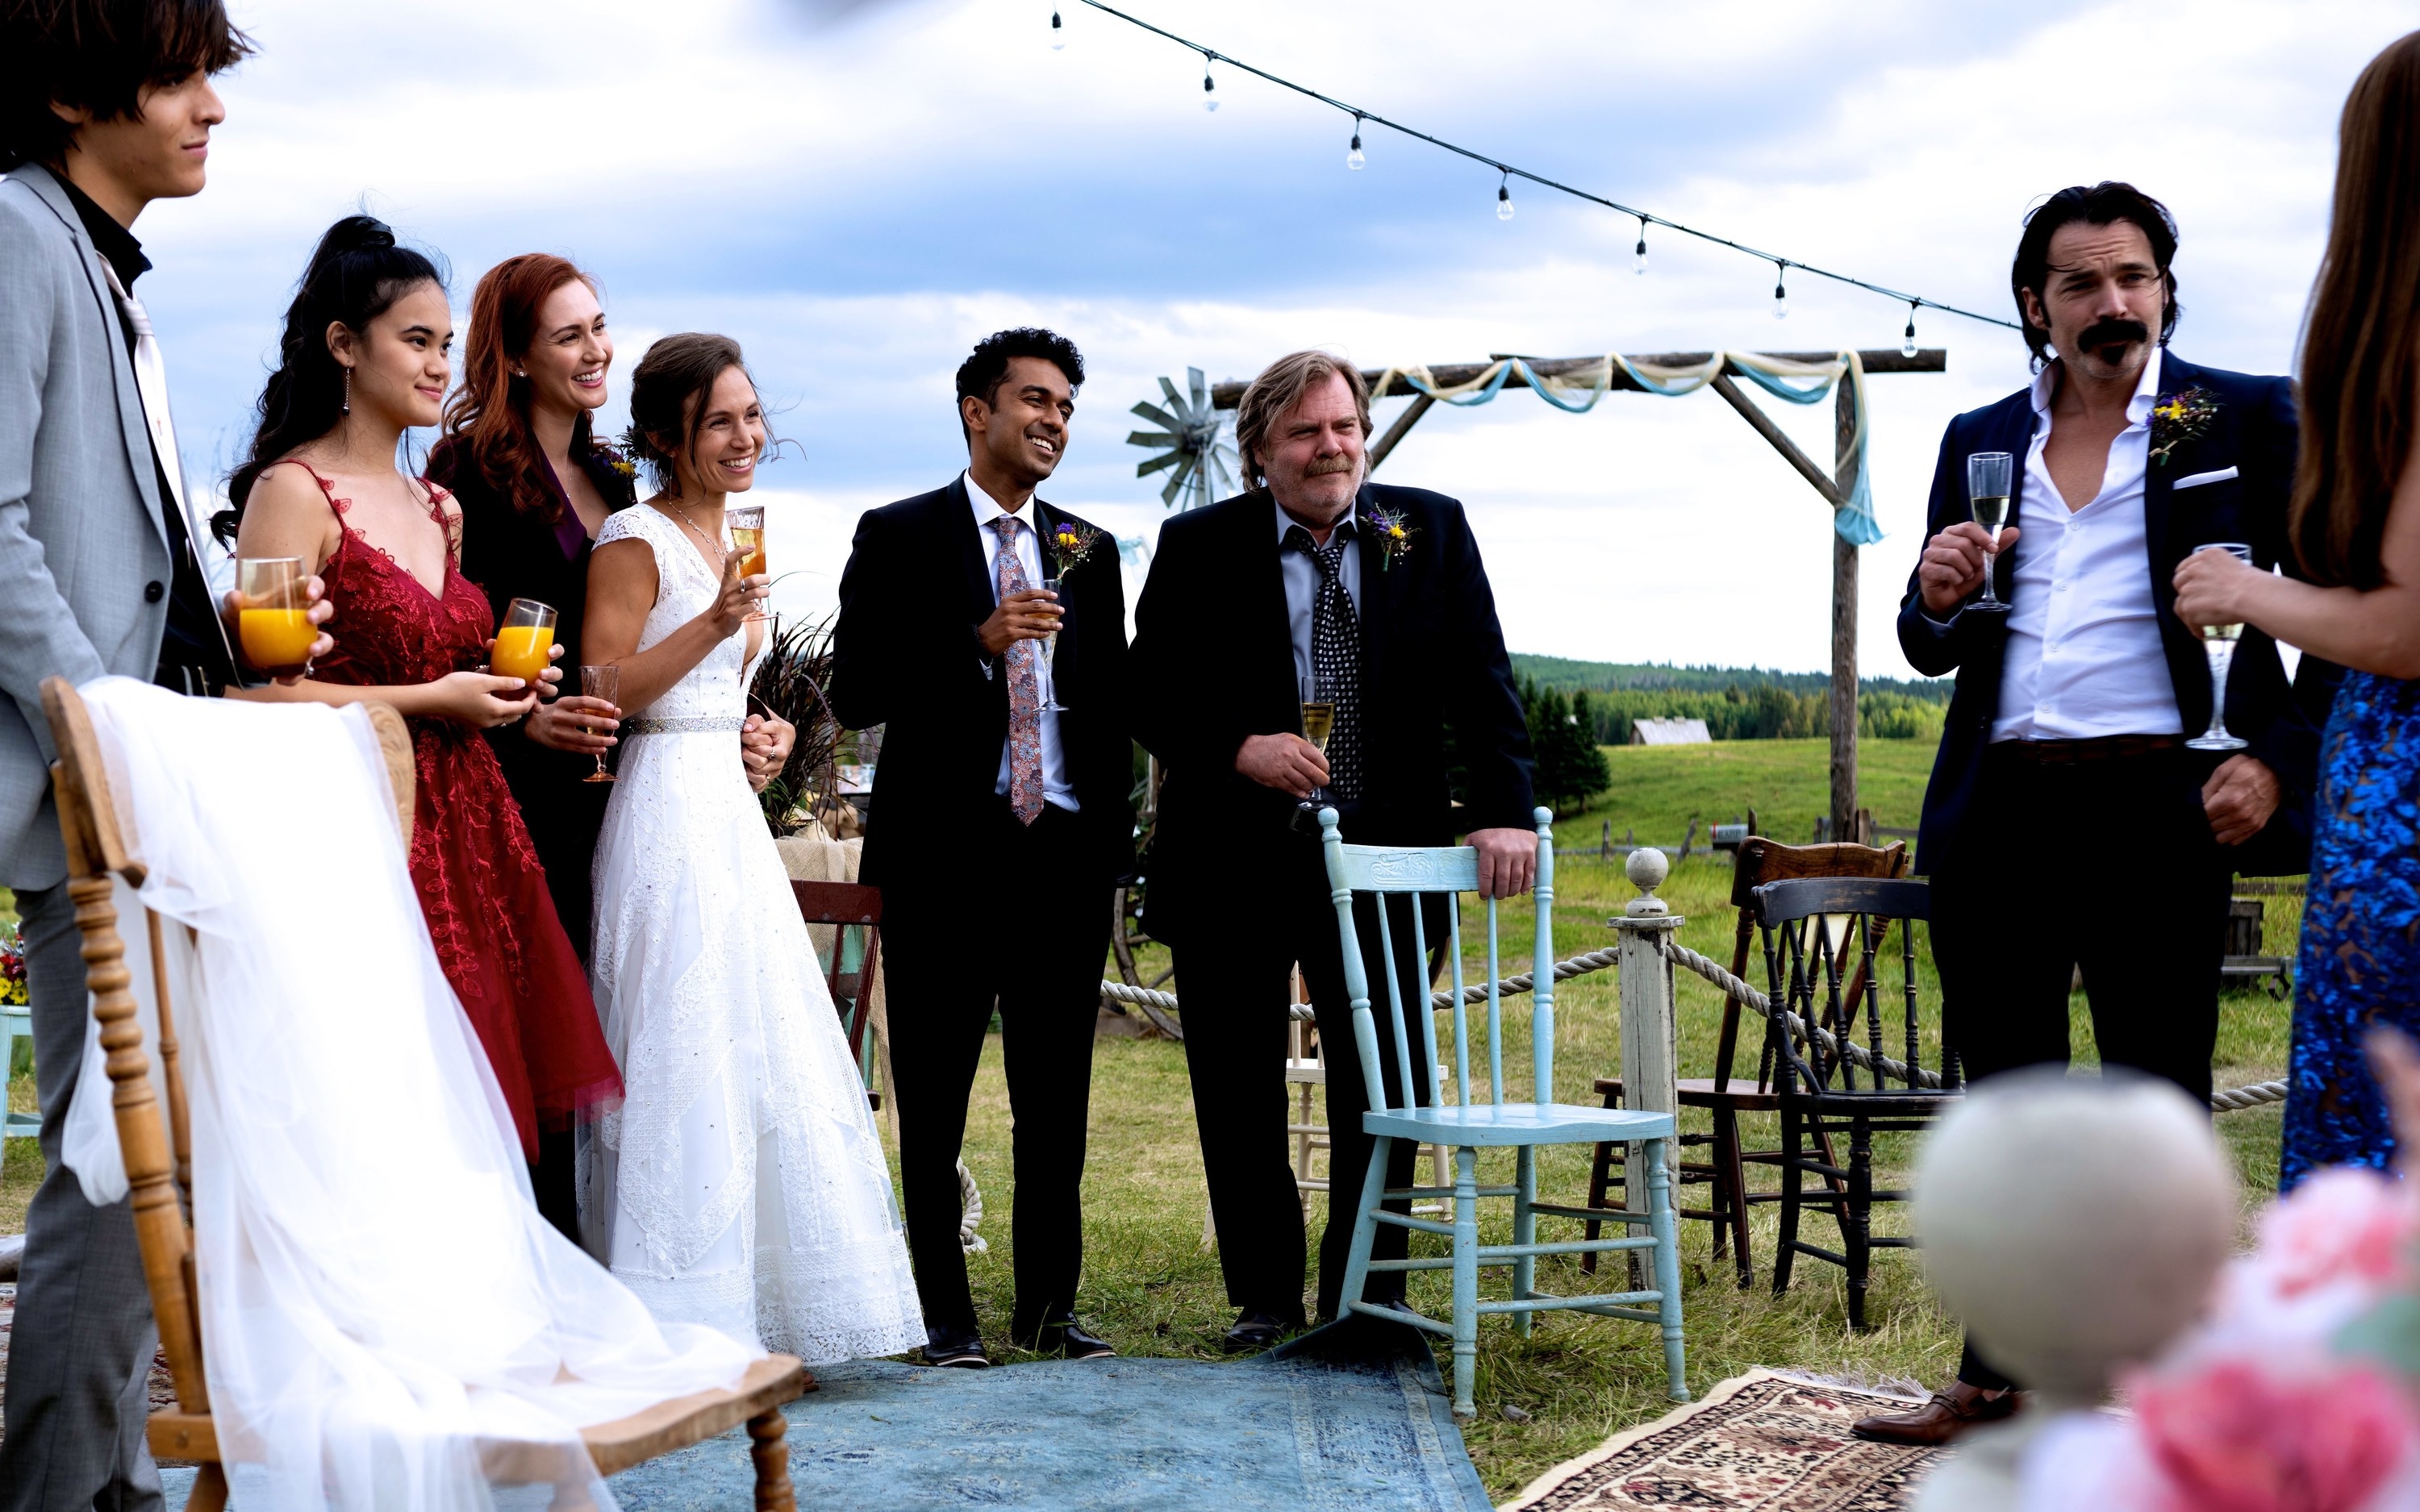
1024	687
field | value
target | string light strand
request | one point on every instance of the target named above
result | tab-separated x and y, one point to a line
1509	172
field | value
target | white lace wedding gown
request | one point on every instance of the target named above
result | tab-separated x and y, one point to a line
742	1183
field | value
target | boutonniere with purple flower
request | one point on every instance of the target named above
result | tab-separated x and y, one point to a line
617	459
1071	545
1393	534
2179	418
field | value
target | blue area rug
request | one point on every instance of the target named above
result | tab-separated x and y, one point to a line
1352	1416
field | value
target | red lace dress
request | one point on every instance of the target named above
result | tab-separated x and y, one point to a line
480	884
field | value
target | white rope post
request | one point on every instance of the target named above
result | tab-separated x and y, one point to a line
1650	1068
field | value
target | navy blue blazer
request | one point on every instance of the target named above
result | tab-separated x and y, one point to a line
2254	432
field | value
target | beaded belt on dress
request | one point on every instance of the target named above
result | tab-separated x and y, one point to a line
703	724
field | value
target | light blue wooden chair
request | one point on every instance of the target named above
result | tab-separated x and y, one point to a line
1471	1125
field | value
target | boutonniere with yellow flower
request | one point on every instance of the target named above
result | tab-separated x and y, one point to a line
616	457
2179	418
1071	544
1395	536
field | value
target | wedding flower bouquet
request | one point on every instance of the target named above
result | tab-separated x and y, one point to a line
2298	1390
12	967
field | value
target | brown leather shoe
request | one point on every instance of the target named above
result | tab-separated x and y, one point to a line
1948	1416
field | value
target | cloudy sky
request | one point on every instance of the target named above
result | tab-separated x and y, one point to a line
859	191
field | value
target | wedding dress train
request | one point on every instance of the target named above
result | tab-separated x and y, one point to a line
742	1184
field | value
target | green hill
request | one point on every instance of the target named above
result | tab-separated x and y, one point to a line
1736	702
1570	676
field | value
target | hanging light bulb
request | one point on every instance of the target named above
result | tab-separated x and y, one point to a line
1907	343
1781	295
1354	160
1058	32
1504	199
1209	87
1638	264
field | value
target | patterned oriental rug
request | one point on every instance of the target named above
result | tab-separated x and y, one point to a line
1765	1441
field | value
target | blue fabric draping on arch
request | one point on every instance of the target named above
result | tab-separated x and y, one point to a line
1853	521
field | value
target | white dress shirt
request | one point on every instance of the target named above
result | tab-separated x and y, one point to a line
2084	657
1055	787
1302	580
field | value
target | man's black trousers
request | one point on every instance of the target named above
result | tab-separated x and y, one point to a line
2107	867
1235	961
1021	923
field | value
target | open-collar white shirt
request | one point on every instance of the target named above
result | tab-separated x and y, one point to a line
2083	656
1055	786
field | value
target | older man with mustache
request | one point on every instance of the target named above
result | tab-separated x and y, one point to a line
1314	575
2068	737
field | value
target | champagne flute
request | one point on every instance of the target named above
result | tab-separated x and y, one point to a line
747	527
600	683
272	616
1318	723
2218	643
523	640
1986	490
1050	645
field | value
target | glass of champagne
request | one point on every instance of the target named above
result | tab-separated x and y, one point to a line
600	683
523	640
2218	643
747	527
273	616
1051	645
1318	723
1986	492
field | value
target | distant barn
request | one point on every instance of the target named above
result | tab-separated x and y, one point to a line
1668	733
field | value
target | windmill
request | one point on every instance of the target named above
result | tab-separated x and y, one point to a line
1199	466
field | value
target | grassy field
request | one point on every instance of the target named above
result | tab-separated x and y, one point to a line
1152	1286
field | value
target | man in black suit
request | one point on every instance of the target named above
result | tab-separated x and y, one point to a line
1380	591
2069	722
1000	819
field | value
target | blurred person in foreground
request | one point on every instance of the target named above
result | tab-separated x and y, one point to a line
986	628
1314	579
2355	534
105	107
2073	707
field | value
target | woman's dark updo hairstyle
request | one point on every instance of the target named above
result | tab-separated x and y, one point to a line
356	274
668	394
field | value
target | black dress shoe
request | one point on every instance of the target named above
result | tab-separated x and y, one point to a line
1256	1329
959	1352
1067	1337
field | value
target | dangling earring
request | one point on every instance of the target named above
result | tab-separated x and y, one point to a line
348	391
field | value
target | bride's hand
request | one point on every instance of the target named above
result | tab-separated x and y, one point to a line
738	599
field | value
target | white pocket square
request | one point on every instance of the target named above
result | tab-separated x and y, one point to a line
2196	479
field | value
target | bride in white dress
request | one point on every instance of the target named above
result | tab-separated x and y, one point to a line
742	1184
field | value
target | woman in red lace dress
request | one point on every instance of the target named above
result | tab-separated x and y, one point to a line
364	358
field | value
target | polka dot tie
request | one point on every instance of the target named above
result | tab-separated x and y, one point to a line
1024	687
1336	654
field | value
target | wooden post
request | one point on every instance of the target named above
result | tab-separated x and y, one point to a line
1649	1067
1844	622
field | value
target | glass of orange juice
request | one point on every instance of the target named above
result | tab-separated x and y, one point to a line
523	640
747	527
273	616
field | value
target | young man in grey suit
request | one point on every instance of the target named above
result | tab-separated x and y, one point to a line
105	105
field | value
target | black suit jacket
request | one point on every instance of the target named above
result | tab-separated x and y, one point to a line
905	654
1214	663
2254	432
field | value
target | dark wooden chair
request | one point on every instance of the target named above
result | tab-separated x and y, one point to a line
1823	938
159	1165
1725	1095
855	913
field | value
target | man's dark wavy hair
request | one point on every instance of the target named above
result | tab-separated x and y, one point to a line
2104	203
98	55
981	375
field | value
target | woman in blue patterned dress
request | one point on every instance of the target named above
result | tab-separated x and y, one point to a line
2356	529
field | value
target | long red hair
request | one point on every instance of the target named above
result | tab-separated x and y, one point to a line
489	416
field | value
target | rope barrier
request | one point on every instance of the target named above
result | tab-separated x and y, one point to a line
2228	1100
971	1212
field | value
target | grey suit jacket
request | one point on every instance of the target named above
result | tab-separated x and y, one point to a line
83	548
